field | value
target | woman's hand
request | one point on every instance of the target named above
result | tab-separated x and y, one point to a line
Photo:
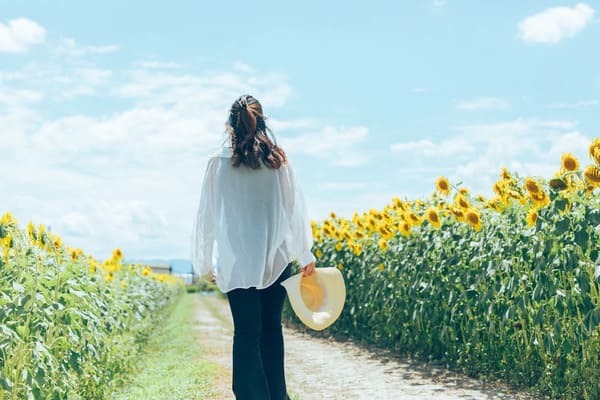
308	269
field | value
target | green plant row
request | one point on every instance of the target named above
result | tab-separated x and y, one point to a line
70	330
509	301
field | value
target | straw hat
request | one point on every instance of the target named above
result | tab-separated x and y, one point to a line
317	299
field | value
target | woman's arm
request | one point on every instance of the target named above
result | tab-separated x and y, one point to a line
295	208
202	238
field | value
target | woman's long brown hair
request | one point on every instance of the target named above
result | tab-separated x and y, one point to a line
249	137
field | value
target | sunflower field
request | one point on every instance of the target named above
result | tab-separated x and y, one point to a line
71	326
505	288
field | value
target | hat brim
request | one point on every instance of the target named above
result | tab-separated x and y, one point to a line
331	281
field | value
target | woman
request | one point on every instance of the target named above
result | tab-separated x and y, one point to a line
252	207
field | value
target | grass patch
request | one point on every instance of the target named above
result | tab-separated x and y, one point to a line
172	366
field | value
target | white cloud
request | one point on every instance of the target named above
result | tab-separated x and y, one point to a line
11	96
340	145
70	47
474	154
577	104
344	186
158	64
483	103
19	35
131	177
555	24
450	147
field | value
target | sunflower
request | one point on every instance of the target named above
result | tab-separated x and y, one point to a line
531	217
558	184
338	246
31	234
442	185
569	162
539	199
414	219
332	215
398	204
381	267
58	243
358	235
532	186
592	173
372	223
474	219
463	190
505	174
405	228
458	213
318	253
340	266
499	187
117	254
595	150
6	241
347	234
461	201
433	217
383	244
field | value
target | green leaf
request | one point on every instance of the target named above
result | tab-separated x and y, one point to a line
582	239
593	318
562	226
6	383
561	204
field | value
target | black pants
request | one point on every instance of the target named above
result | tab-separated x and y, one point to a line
258	354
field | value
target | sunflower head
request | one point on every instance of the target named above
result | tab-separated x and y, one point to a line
414	219
558	184
539	199
532	186
592	175
473	219
442	185
405	228
531	217
595	150
458	213
433	217
117	254
505	174
461	201
499	187
569	162
383	244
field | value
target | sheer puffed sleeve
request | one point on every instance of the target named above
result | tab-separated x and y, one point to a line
301	240
203	235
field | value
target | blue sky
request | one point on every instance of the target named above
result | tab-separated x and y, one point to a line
108	110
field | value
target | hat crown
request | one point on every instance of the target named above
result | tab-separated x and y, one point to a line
317	299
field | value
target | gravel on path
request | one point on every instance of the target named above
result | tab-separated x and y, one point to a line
320	368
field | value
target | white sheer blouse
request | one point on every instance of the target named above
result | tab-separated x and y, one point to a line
257	219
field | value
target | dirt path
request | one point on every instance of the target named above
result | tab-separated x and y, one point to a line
319	368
